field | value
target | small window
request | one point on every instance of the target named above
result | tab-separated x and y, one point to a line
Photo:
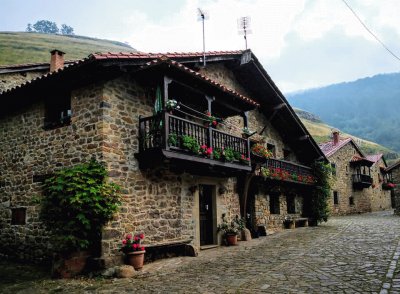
291	205
286	154
351	200
335	198
333	166
274	207
271	147
18	216
57	111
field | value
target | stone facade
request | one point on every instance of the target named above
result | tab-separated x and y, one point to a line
160	202
395	171
350	200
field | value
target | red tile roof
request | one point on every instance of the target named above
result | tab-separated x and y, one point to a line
180	66
142	55
329	148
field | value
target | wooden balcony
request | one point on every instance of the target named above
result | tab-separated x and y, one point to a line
281	170
162	141
361	181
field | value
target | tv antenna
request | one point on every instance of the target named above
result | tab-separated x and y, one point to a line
202	16
244	27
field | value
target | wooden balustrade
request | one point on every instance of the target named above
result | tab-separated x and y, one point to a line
289	167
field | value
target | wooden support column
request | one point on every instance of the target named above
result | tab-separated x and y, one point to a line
166	81
245	184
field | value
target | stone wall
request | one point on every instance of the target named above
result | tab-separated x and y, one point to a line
10	80
373	198
156	202
396	191
274	222
28	151
380	198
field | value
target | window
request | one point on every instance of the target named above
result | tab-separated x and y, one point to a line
274	204
271	147
351	200
333	166
291	205
286	154
335	198
57	111
18	216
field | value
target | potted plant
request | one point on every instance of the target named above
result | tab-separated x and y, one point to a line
190	144
134	250
229	231
246	133
78	201
171	105
261	152
212	121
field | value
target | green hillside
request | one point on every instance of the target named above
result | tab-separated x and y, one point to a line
18	47
321	132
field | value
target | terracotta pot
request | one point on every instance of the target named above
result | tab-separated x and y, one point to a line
136	259
231	240
69	265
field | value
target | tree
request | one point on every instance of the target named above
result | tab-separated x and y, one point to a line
29	28
45	27
66	30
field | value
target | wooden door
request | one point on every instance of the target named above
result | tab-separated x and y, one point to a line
206	215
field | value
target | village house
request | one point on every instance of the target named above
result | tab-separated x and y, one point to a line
359	181
394	180
141	114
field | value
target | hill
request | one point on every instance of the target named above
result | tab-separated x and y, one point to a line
18	47
367	108
321	132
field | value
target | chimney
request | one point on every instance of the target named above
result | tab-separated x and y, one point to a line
335	135
57	60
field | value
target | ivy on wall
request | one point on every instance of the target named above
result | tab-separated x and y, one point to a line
319	210
78	201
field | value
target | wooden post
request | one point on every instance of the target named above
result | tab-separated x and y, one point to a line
165	119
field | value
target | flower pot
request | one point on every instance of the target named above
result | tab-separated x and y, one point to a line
69	265
136	259
231	239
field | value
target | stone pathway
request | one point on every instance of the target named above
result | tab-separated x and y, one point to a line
351	254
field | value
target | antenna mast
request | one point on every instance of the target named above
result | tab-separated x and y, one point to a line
244	27
202	16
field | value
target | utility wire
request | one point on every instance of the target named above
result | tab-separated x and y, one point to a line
369	31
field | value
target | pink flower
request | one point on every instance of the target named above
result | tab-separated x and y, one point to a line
134	245
136	238
248	158
142	248
141	236
214	122
129	236
124	242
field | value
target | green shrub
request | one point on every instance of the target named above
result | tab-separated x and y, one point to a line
77	203
190	143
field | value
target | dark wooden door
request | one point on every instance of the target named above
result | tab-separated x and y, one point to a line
206	215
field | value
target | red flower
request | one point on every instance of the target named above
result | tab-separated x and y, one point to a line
129	236
136	238
134	245
142	248
214	123
141	236
124	242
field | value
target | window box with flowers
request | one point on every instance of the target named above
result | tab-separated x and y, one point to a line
260	153
388	186
212	121
134	250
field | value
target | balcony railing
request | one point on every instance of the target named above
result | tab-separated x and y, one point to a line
361	181
168	132
286	171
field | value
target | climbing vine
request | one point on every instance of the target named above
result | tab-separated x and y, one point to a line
319	210
77	202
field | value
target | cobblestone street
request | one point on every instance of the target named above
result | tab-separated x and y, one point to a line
351	254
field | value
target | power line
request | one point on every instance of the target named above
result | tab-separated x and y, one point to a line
369	31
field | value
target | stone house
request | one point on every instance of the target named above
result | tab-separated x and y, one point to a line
394	177
118	108
358	180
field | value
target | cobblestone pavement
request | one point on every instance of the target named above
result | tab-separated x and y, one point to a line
351	254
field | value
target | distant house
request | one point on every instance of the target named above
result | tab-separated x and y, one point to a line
119	108
359	181
394	180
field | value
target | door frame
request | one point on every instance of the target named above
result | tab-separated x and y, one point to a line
214	212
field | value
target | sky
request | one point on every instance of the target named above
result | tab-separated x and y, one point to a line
301	43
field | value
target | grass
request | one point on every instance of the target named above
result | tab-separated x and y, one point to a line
20	47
